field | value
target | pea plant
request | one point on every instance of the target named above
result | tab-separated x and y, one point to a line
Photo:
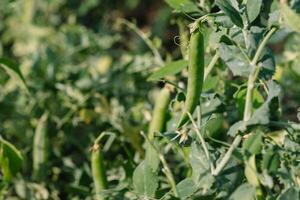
225	132
101	100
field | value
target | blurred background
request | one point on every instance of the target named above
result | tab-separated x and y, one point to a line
88	72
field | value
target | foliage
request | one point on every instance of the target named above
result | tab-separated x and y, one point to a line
82	81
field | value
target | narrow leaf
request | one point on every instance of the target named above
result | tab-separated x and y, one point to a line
169	69
13	70
10	159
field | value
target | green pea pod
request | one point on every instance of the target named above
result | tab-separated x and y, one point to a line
98	171
157	124
195	75
158	121
40	148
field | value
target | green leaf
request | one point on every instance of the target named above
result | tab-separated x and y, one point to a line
199	162
237	127
290	18
169	69
244	191
10	159
152	158
253	143
289	194
234	59
186	188
13	70
253	9
263	113
231	12
270	161
240	96
145	181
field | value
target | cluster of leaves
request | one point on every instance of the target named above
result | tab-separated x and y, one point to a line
264	166
89	77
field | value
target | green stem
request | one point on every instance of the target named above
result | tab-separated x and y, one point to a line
146	39
98	171
248	105
211	65
212	168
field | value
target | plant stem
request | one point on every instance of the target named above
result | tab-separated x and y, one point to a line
248	105
211	65
146	39
166	168
212	168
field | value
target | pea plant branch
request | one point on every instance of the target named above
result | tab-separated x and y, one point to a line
248	104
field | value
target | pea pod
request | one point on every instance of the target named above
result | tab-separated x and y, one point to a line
98	171
40	148
158	121
195	75
157	124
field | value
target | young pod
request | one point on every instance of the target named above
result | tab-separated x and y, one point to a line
195	75
98	171
158	121
40	148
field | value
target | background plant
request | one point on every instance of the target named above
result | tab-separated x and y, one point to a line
97	67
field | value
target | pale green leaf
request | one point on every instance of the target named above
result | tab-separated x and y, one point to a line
253	9
145	181
169	69
244	191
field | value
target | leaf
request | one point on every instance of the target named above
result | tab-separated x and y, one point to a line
10	159
13	70
289	194
263	113
145	181
231	12
253	9
244	191
169	69
290	18
237	127
185	6
270	161
240	97
186	188
267	64
234	59
253	143
199	162
278	136
251	171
